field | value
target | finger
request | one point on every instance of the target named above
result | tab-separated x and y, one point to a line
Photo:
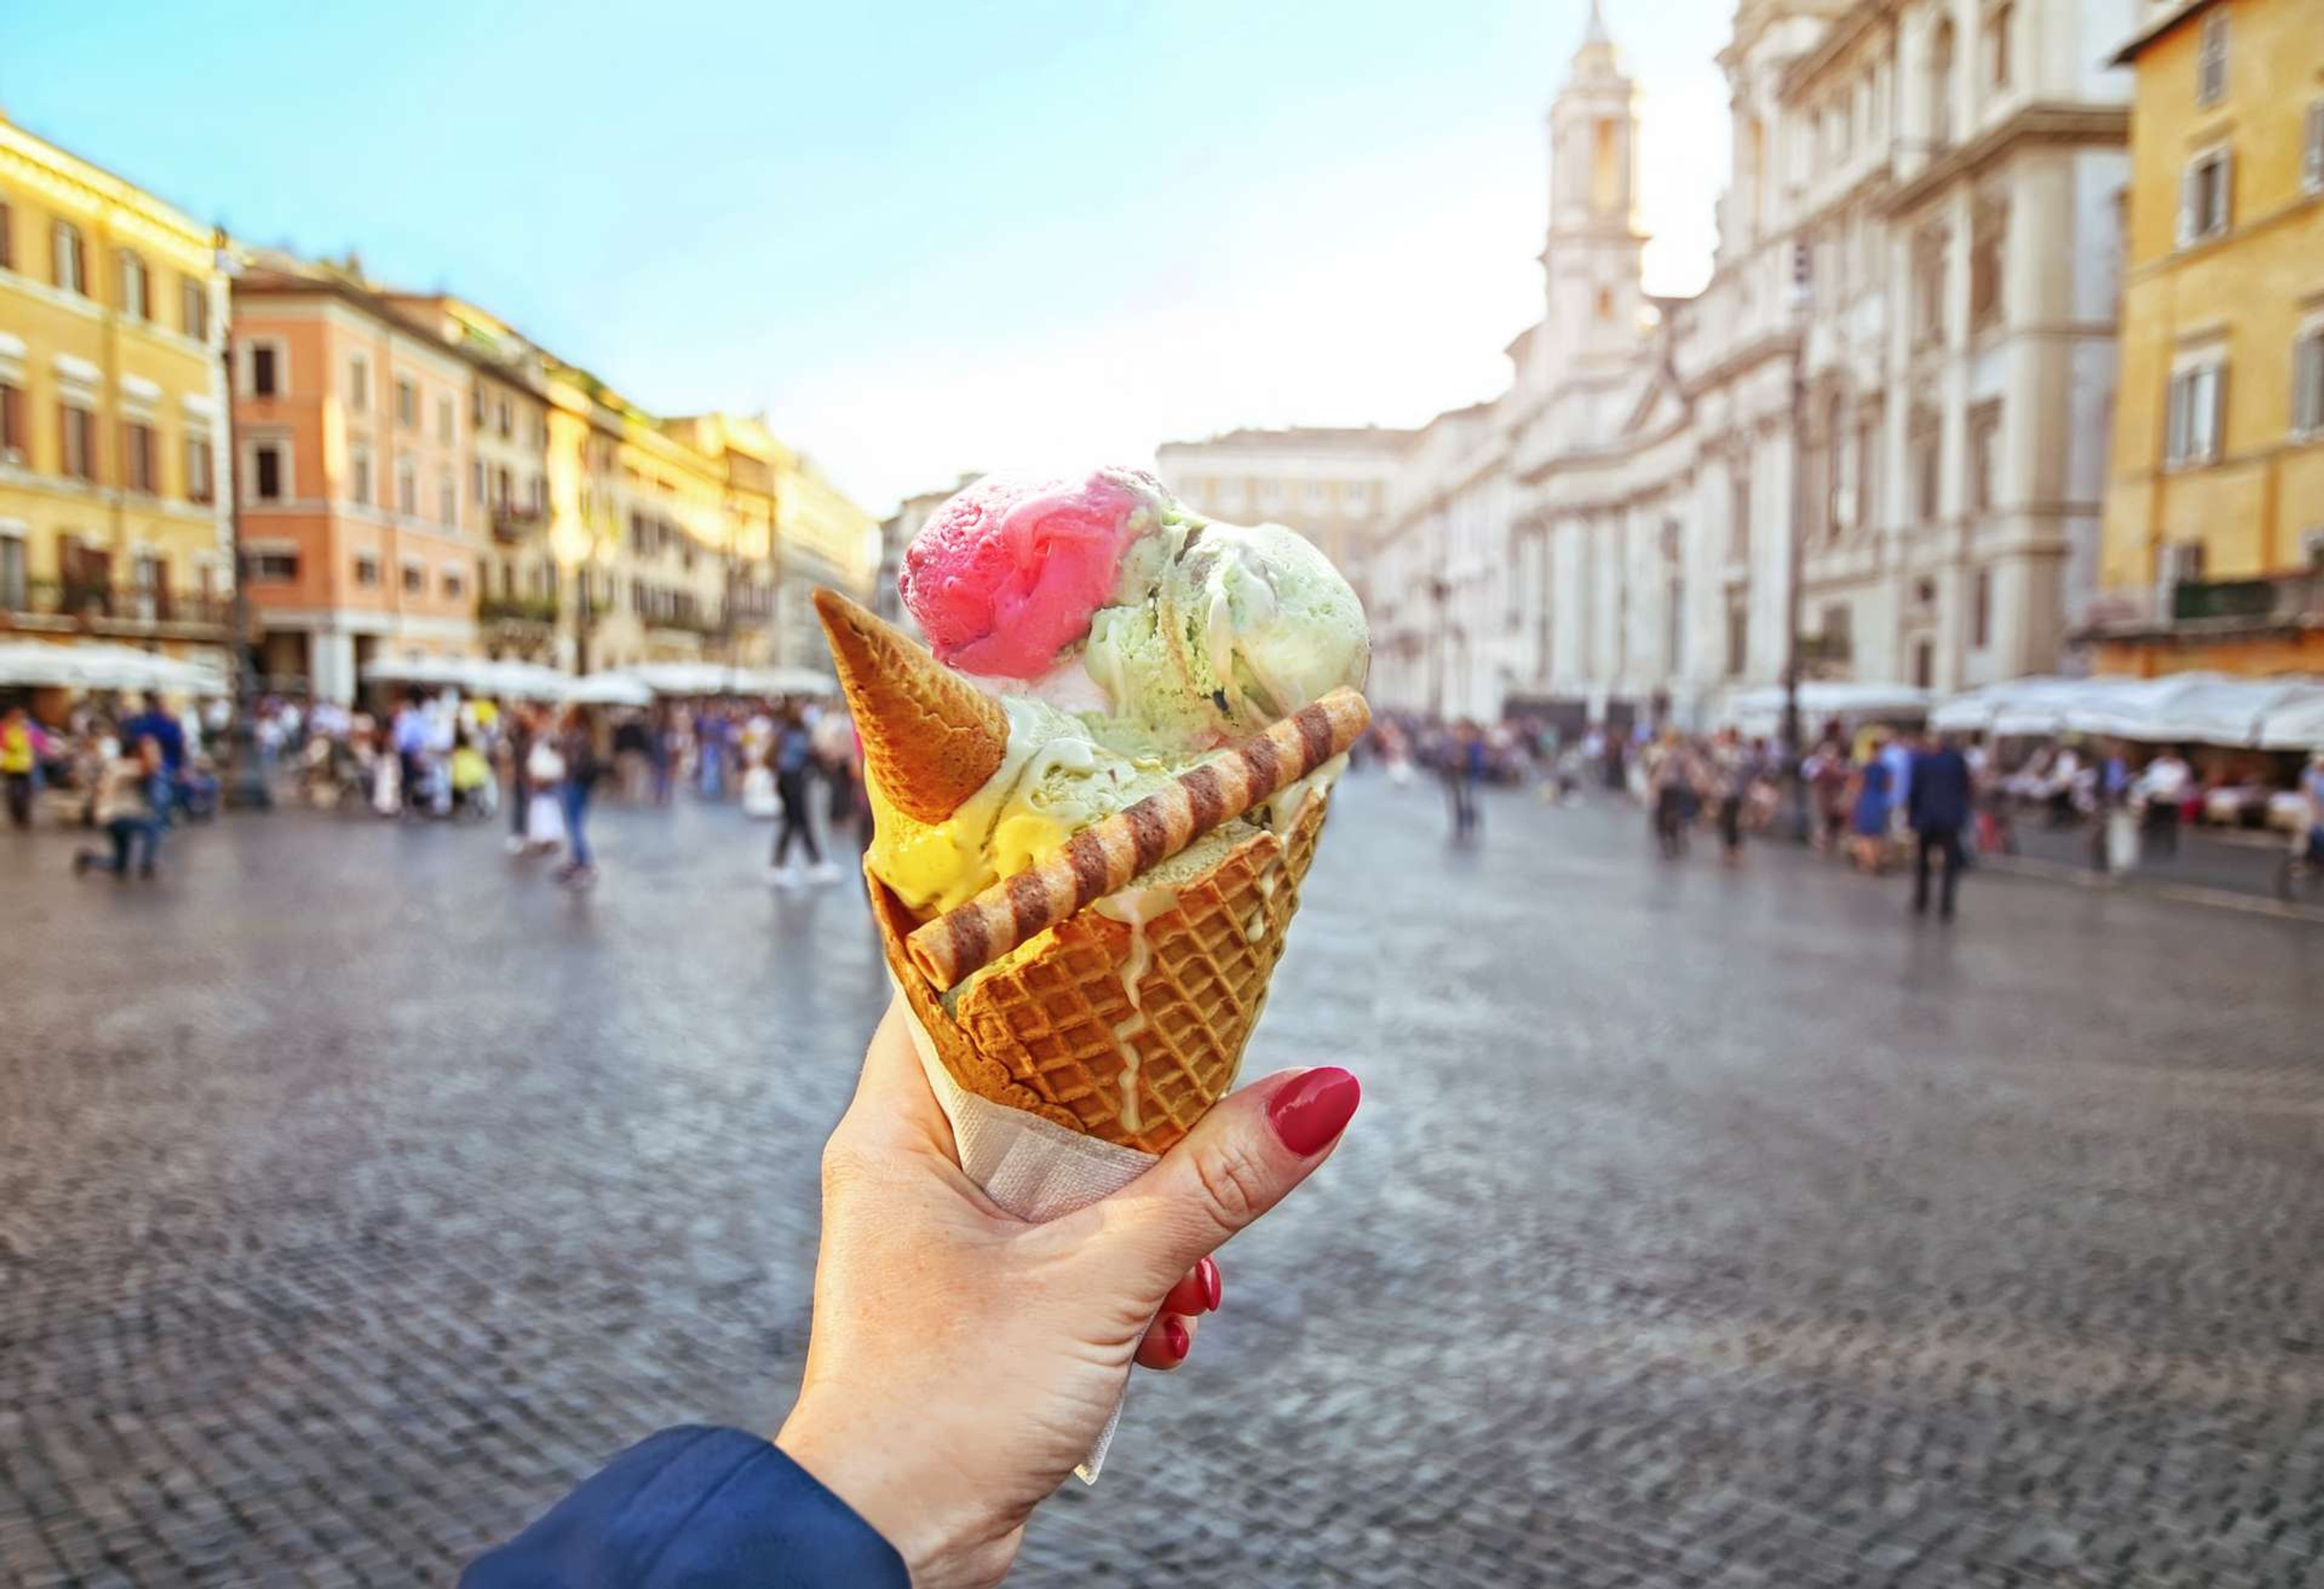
1239	1161
1201	1291
1168	1341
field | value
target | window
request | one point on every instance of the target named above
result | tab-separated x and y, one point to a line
8	258
2198	406
1941	86
1838	631
201	470
366	570
133	297
359	475
415	579
358	384
1925	664
13	441
407	403
137	456
265	369
12	574
475	480
444	420
452	585
1981	609
2308	382
1999	23
1988	233
1984	456
68	269
1738	520
268	475
280	566
2206	196
194	308
78	428
1928	459
1929	286
2182	565
1867	472
2211	59
447	499
2311	159
407	489
1738	640
504	420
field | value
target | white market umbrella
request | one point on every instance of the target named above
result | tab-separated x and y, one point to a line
2296	723
608	689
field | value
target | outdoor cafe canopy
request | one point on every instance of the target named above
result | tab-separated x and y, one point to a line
102	667
2283	713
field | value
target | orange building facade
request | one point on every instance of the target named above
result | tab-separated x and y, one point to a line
352	430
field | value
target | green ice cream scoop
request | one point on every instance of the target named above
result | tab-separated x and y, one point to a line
1220	629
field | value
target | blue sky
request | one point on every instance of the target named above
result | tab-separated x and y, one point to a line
923	237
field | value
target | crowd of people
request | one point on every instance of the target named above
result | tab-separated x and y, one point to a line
1882	796
131	769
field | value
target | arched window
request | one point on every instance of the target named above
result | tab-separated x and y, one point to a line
1940	85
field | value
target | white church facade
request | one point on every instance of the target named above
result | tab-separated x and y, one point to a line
1900	374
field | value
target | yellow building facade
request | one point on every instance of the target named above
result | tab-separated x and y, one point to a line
2213	553
114	468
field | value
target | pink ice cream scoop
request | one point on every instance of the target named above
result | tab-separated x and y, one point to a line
1009	573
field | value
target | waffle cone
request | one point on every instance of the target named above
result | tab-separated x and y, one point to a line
930	738
1036	1031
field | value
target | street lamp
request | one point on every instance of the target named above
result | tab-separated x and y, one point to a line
1794	750
248	791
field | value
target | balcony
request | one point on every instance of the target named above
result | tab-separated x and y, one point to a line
512	521
2288	601
97	608
519	612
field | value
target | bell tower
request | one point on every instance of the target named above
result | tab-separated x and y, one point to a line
1594	258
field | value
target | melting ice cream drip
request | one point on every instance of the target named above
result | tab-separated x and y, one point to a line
1135	908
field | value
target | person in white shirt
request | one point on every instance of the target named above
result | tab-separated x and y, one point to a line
2160	791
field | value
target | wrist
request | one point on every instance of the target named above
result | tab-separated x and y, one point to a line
876	1472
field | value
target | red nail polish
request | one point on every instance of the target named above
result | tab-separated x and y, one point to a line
1214	1290
1310	1110
1174	1336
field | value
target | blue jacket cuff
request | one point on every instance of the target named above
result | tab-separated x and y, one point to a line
696	1508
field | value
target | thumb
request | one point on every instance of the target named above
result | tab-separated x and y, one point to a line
1239	1161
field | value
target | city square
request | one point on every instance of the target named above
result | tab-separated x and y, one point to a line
360	1191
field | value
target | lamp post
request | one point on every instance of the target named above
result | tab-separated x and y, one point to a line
1794	750
248	791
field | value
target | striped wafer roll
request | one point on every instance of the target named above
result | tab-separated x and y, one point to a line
1107	856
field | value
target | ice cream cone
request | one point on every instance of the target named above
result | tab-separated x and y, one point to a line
930	738
1124	1030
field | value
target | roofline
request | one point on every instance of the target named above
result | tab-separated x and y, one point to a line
2153	32
111	184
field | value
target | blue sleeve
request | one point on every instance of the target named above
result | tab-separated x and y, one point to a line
696	1509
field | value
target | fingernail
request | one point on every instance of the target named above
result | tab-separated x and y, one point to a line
1214	1290
1312	1110
1174	1336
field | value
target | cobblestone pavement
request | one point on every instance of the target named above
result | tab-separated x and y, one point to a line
359	1192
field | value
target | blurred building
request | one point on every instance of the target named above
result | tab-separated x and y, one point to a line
896	534
1902	365
2214	552
114	519
1330	484
822	537
352	429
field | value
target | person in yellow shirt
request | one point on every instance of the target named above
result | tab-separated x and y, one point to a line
19	759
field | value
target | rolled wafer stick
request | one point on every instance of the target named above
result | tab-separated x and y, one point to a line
1108	855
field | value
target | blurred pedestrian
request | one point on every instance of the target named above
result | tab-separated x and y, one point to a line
1671	790
2162	792
585	764
850	812
794	750
131	801
1869	806
517	741
1939	805
20	760
1730	785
